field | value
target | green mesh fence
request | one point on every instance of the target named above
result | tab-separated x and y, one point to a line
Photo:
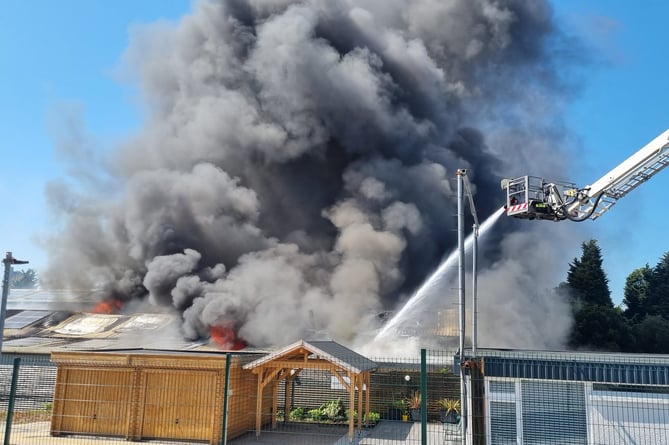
329	397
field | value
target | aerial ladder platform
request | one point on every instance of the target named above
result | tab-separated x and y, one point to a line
531	197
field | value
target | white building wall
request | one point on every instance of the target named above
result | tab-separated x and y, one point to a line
624	417
619	415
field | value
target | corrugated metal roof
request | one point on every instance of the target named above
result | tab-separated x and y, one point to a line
60	330
24	319
586	356
635	369
33	345
53	299
327	350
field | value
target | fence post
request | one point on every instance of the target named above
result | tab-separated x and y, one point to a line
423	397
12	397
224	437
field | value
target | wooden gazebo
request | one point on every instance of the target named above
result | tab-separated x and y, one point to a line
351	369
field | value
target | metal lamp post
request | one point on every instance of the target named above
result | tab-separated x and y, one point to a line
8	261
463	187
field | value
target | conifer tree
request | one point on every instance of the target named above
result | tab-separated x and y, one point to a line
658	289
586	277
598	325
637	287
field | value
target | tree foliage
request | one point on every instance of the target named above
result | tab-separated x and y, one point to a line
658	289
597	324
652	334
586	277
647	306
636	292
601	328
643	325
24	279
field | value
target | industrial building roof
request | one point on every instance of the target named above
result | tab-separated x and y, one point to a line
41	332
600	367
40	321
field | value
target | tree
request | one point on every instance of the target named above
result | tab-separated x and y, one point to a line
586	277
24	279
647	301
637	287
603	329
657	301
653	335
597	323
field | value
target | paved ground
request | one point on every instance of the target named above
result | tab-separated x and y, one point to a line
304	434
385	433
37	433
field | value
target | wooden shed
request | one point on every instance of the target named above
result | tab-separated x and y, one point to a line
152	395
351	369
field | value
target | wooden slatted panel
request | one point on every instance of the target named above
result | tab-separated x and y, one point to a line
179	404
242	402
171	397
93	401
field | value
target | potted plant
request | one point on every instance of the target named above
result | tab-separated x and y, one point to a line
414	403
395	410
449	410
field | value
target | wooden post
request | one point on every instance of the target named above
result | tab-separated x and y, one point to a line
259	402
367	382
360	384
288	397
275	401
351	403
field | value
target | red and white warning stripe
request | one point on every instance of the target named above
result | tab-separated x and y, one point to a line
516	208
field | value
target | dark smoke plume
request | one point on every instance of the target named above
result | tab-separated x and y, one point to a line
294	174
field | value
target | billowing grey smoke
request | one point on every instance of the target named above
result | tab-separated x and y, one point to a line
294	172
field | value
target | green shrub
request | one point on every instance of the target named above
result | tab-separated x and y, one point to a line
296	414
317	414
334	409
401	404
373	417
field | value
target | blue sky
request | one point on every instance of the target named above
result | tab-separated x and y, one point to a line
623	106
67	52
55	55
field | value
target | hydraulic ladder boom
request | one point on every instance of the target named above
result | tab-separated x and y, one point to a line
530	197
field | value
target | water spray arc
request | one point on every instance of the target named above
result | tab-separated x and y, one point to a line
433	280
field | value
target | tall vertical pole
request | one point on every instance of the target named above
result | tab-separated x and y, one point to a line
7	261
423	396
5	292
12	398
475	247
226	388
461	262
461	304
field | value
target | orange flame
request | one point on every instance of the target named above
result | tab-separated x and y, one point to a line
225	338
110	306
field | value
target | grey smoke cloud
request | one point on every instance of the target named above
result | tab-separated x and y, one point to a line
294	173
521	307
